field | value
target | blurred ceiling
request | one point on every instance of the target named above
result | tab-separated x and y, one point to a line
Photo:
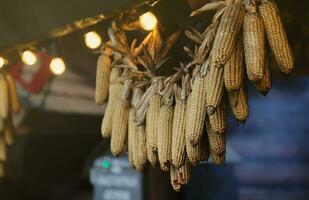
25	21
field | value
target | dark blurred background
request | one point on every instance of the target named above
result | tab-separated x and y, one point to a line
59	137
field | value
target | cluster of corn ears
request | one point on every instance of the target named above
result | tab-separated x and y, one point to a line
177	121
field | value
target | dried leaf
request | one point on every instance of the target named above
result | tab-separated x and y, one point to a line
168	43
209	6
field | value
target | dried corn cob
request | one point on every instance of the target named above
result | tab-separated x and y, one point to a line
14	100
184	173
119	129
218	119
152	128
214	88
217	145
135	148
131	135
115	90
4	98
142	149
264	85
239	104
234	69
136	163
196	112
276	36
103	76
134	130
254	44
174	179
2	150
227	33
179	132
164	137
194	153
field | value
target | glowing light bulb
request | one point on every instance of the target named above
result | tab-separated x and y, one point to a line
148	21
29	58
57	66
2	62
93	40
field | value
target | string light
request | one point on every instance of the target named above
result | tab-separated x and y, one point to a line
29	58
93	40
2	62
57	66
148	21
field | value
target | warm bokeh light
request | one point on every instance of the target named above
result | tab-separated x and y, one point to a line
93	40
148	21
29	58
57	66
2	62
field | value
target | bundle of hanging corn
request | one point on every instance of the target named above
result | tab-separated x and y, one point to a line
9	104
176	121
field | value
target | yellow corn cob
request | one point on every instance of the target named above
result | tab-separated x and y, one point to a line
134	136
2	150
102	78
119	128
196	112
239	104
14	100
184	173
265	84
115	90
178	141
174	179
135	149
254	45
1	170
152	128
131	135
192	151
217	145
142	149
164	137
4	98
215	88
227	33
276	36
218	119
234	69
